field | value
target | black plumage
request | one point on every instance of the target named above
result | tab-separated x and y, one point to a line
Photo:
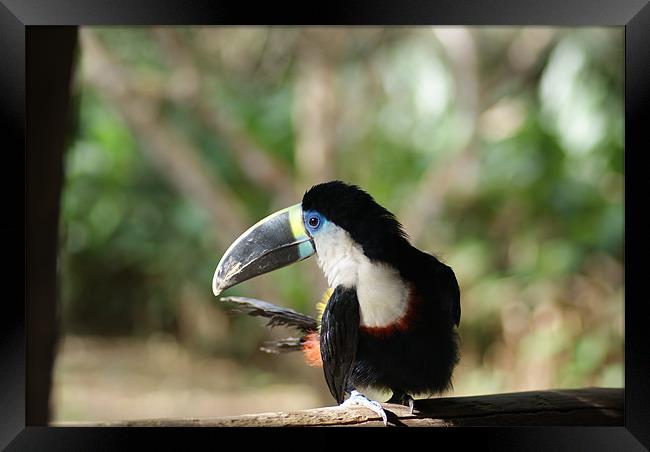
418	357
339	336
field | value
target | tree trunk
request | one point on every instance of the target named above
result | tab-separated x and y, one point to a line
50	58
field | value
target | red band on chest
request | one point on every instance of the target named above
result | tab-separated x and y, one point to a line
403	323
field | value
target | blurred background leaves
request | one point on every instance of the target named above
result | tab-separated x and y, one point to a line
500	149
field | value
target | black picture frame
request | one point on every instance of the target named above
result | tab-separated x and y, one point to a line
20	73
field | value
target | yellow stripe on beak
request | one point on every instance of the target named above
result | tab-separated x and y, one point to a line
295	220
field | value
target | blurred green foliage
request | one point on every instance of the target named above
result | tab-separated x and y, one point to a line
501	150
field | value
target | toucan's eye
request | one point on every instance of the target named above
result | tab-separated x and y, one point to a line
313	222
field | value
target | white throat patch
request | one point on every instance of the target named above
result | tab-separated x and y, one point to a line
382	294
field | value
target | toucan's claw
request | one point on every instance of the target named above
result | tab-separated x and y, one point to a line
402	398
358	399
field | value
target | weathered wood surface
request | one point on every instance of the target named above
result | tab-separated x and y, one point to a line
589	406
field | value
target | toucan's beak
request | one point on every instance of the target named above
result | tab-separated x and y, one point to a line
276	241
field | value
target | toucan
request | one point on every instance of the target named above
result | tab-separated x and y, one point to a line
389	320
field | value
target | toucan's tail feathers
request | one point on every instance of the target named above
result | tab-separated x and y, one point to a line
277	315
290	344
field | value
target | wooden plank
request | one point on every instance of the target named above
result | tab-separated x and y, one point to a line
589	406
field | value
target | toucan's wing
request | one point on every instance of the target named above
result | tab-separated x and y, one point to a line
277	315
438	282
450	293
339	337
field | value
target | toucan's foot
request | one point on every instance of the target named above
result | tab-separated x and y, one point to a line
402	398
358	399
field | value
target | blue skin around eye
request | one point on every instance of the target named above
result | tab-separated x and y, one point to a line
306	249
311	214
